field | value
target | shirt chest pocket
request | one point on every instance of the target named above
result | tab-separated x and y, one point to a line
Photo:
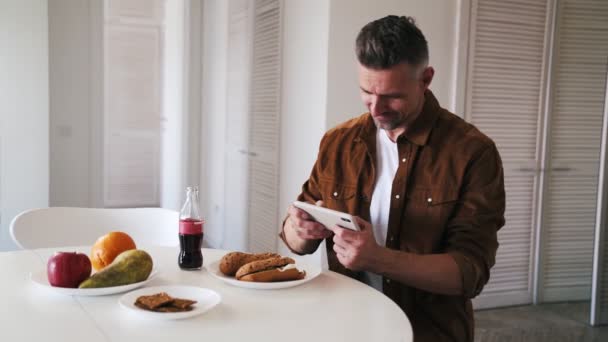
338	196
431	207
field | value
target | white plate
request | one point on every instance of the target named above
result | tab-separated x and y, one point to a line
205	299
312	272
41	279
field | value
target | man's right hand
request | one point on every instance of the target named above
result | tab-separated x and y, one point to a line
301	230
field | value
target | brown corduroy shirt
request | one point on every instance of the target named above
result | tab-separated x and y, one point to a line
447	197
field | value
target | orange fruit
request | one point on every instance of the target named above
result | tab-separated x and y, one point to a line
107	248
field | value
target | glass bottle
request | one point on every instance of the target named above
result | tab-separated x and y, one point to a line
190	232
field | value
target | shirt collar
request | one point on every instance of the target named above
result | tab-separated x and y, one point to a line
418	132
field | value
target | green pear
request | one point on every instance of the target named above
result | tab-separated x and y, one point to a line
129	267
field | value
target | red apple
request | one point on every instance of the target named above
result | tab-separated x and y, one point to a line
66	269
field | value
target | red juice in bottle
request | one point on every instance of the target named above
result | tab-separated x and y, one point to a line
190	233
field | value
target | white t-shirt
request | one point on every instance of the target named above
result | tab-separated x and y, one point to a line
387	162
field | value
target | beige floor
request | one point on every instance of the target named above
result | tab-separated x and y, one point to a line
540	323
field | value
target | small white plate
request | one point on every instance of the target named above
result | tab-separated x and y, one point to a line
312	271
205	299
40	278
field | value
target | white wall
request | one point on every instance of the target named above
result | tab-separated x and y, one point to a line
76	113
76	102
24	114
215	14
70	102
193	66
172	130
438	20
304	94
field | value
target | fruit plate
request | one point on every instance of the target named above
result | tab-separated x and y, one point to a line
206	300
312	271
40	279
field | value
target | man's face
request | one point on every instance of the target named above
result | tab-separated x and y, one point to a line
394	96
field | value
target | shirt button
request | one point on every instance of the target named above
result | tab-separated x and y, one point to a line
388	281
335	194
404	160
397	196
391	239
430	200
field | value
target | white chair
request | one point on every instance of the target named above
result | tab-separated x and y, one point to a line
59	226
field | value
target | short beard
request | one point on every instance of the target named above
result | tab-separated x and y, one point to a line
389	126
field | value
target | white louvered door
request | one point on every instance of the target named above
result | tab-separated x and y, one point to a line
132	102
579	76
264	128
507	50
238	80
252	123
599	295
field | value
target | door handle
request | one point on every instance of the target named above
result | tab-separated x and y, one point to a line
249	153
528	169
533	169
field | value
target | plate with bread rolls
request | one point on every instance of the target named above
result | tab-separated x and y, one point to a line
262	271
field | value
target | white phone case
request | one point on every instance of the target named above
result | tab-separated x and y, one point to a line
328	217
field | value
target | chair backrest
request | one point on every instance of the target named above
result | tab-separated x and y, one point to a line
59	226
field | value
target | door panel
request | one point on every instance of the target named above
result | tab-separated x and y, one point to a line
580	54
504	100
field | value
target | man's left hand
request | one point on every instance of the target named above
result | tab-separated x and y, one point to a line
355	250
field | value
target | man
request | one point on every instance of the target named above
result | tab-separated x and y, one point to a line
427	188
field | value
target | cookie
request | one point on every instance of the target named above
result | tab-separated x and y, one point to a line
182	303
162	302
172	309
153	301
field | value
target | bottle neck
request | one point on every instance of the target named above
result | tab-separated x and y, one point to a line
190	210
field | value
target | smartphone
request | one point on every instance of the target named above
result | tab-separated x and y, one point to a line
328	217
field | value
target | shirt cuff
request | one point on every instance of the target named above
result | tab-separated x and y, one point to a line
469	273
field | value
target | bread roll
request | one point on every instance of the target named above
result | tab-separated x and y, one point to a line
231	262
269	270
274	275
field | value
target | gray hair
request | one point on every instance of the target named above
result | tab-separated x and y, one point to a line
389	41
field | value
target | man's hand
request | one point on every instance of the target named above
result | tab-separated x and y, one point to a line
302	234
305	227
356	250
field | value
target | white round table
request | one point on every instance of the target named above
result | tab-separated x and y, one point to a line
331	307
